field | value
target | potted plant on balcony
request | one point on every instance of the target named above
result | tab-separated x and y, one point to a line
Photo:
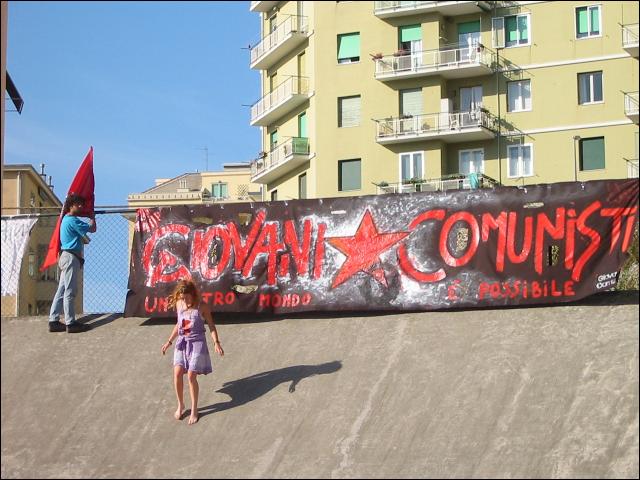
262	154
400	53
376	56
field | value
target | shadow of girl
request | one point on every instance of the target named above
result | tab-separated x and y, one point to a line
248	389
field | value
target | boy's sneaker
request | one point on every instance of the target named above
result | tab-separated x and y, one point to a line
57	327
77	327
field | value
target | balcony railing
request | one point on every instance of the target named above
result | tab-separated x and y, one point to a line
280	160
632	168
385	9
289	94
630	38
452	62
631	102
466	126
447	182
287	35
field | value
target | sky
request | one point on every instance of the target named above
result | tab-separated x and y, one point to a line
147	84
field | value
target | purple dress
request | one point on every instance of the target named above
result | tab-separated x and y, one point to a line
191	350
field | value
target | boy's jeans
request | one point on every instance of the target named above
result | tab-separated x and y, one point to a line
67	288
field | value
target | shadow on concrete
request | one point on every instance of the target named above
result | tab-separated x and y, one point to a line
100	320
247	389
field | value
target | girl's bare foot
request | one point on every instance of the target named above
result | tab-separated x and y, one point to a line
193	418
179	412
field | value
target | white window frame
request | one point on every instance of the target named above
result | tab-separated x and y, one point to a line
506	42
460	152
421	152
530	96
575	25
519	174
591	89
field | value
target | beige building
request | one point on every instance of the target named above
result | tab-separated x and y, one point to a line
392	96
24	191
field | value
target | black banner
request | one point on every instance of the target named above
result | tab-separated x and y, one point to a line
423	251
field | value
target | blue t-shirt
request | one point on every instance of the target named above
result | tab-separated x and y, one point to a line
72	230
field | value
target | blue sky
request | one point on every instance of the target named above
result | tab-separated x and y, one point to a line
148	84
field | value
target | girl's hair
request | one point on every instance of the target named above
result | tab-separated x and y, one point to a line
184	286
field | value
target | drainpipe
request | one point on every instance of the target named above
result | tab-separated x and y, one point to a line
499	119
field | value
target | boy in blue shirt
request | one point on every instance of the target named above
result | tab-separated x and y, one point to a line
73	236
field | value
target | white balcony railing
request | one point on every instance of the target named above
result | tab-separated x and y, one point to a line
284	31
631	102
434	124
630	36
289	93
441	61
447	182
632	168
291	148
396	8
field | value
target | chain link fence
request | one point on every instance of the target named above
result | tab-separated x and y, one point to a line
103	283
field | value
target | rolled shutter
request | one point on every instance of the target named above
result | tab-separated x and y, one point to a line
592	153
410	33
348	46
498	39
411	102
349	115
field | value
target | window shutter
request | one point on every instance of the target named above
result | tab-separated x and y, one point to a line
411	102
469	27
349	175
349	111
582	21
595	21
511	26
348	46
498	39
302	125
410	33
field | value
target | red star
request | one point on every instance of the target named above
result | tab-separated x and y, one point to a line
363	250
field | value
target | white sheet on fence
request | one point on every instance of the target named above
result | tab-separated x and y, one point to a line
15	235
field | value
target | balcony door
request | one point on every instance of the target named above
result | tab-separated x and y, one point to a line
468	40
410	41
470	104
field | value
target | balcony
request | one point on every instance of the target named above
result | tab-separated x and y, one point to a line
630	38
442	184
262	6
291	93
447	9
631	106
453	62
632	168
289	34
448	127
282	159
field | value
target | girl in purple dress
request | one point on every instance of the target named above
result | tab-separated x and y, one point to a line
191	354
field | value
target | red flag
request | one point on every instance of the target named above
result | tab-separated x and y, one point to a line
83	184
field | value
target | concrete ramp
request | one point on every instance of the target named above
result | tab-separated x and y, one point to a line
536	392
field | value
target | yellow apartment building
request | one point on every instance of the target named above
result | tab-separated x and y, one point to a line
24	191
397	96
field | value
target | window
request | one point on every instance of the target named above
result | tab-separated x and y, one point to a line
589	87
32	265
410	38
516	30
349	47
588	21
520	161
182	183
219	190
411	102
349	175
519	96
349	111
302	186
592	153
471	161
411	166
274	195
273	140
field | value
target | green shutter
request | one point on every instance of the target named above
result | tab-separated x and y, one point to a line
348	45
523	22
582	21
511	27
469	27
302	125
274	138
410	33
595	20
592	153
